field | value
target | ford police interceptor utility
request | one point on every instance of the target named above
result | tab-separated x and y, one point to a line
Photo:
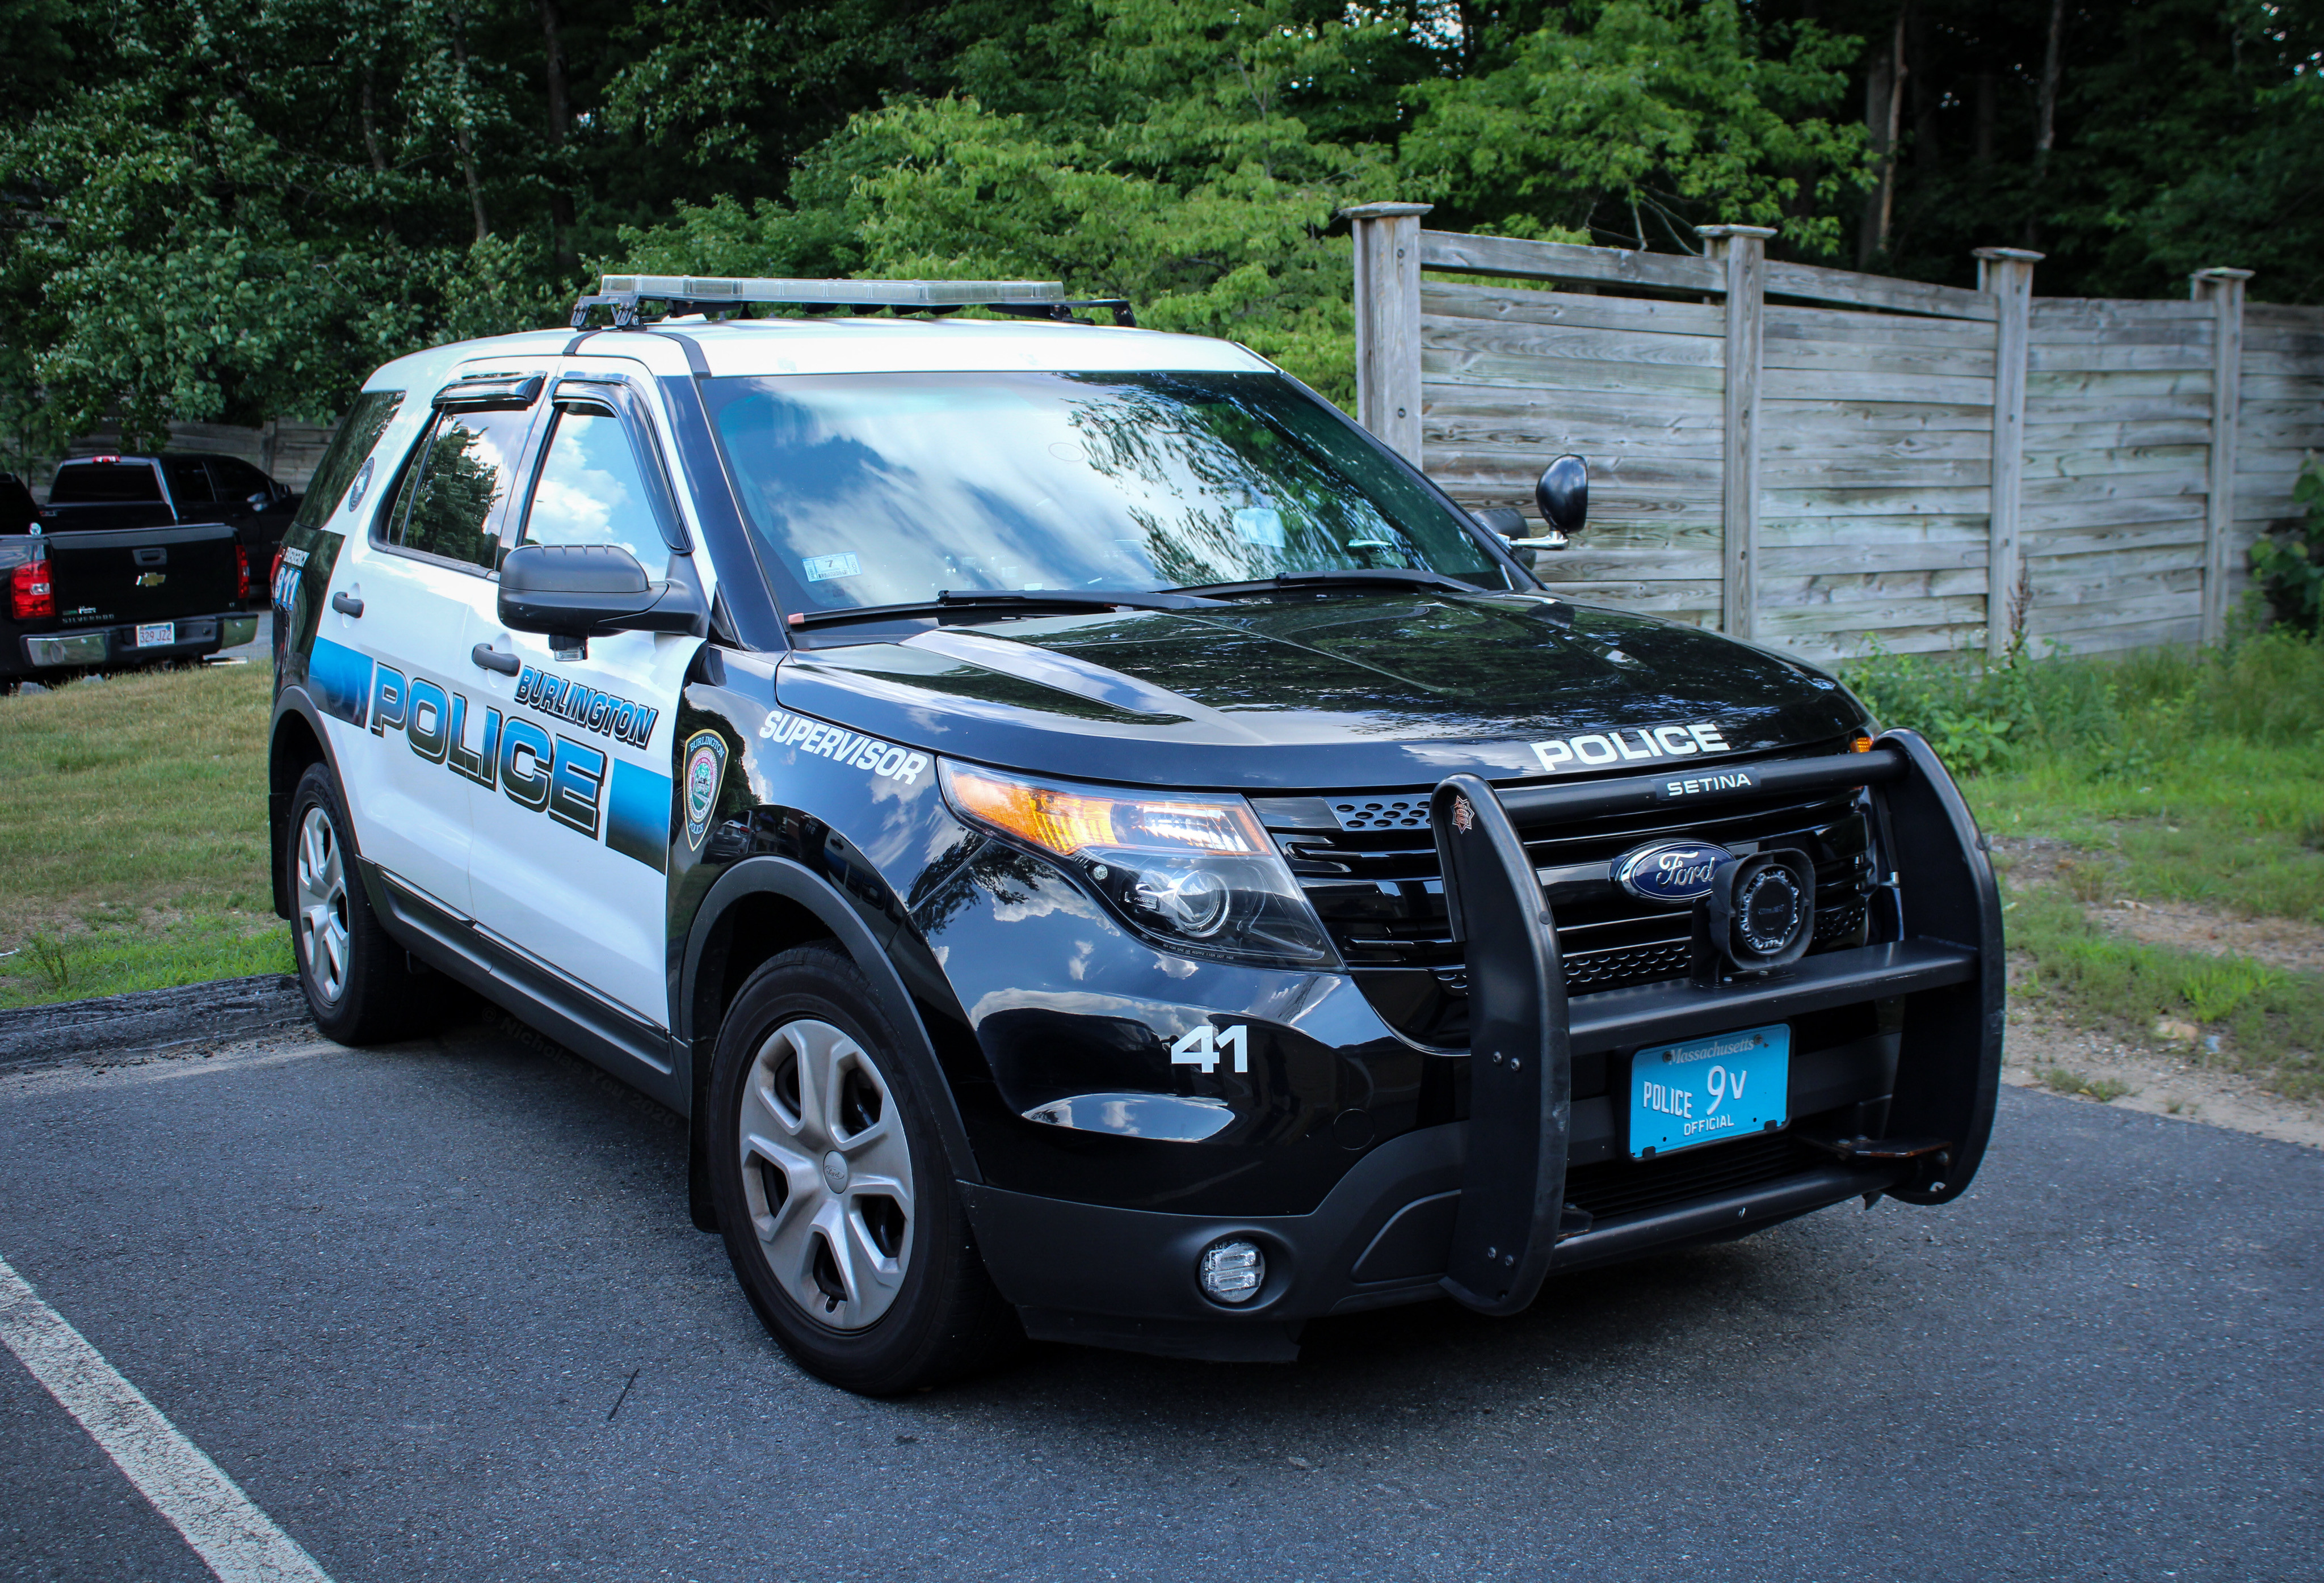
1099	847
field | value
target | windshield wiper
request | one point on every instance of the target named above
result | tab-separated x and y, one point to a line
1032	602
1361	579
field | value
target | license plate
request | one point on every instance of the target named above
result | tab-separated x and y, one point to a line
1704	1090
155	634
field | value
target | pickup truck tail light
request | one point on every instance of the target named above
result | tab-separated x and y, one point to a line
31	595
241	574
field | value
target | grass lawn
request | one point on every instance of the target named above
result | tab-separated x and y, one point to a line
134	828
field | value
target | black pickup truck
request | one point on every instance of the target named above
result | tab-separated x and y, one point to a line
111	491
89	598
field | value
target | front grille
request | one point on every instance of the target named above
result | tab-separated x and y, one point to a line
1637	1187
1368	864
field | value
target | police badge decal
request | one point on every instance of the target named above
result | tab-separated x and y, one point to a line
706	766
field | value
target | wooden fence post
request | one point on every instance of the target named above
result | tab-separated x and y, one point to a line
2006	275
2225	289
1387	322
1744	250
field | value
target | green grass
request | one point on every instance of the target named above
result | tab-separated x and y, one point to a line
133	827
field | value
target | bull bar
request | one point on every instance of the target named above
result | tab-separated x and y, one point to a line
1944	954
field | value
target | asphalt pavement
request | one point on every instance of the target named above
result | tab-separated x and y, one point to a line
438	1312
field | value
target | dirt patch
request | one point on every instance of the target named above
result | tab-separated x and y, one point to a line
2043	1053
2280	943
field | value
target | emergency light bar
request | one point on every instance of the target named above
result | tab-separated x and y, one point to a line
723	296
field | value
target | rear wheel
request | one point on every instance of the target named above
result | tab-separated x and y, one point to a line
360	986
839	1213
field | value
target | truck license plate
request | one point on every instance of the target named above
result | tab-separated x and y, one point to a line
156	634
1701	1092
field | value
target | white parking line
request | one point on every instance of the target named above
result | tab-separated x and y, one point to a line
234	1538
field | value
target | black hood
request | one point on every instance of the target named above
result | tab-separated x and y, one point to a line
1328	693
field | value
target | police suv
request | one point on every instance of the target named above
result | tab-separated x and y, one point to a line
1099	848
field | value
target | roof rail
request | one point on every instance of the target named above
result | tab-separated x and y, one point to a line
723	297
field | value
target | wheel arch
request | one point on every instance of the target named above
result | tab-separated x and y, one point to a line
756	908
296	741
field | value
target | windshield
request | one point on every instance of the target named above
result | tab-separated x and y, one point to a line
889	488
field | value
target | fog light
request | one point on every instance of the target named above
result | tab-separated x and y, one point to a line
1233	1271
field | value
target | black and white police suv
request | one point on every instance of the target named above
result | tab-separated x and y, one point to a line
1099	847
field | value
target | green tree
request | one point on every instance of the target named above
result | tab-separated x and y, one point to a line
1632	121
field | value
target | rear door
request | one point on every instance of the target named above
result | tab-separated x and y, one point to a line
573	843
407	599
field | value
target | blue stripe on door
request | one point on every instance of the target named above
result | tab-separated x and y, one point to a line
340	679
637	815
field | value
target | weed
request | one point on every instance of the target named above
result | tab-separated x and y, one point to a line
2089	880
51	958
2217	992
2104	1089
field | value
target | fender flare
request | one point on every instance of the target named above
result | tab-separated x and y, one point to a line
292	699
795	882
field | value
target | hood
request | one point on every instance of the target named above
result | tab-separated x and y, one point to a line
1328	693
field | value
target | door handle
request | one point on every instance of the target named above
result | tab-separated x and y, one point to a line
492	659
347	605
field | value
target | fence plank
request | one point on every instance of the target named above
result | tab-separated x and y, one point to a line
1822	285
1561	261
1449	299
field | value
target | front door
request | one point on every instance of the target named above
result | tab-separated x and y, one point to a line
573	843
407	597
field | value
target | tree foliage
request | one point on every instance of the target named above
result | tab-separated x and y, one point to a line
231	210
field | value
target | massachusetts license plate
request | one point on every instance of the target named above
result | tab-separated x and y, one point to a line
155	634
1707	1090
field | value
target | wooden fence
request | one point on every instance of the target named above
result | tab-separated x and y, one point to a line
1819	459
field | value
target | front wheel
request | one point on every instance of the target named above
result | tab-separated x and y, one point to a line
360	986
832	1194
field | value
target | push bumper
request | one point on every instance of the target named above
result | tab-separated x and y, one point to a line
1486	1209
191	636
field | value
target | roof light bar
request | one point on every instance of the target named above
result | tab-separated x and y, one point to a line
723	295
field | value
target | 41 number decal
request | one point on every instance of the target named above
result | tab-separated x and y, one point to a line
1205	1048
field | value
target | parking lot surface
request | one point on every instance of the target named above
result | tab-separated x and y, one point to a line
438	1310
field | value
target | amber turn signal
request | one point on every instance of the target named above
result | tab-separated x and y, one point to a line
1067	822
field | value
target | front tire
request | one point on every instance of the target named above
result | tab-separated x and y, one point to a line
360	986
832	1191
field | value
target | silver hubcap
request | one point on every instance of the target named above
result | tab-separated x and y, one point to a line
826	1173
323	906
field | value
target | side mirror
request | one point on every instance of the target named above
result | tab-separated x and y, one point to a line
1562	494
1506	520
579	591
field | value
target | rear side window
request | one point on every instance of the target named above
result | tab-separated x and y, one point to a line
358	433
189	482
83	483
453	491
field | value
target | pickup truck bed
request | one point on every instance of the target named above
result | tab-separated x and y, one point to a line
76	601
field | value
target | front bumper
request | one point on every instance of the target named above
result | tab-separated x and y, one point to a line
194	635
1536	1183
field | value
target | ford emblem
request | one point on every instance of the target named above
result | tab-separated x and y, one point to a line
1675	873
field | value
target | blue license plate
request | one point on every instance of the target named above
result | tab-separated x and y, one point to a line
1704	1091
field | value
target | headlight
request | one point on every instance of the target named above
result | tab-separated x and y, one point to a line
1190	871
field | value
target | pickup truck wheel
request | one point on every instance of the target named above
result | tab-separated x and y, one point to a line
360	986
832	1191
